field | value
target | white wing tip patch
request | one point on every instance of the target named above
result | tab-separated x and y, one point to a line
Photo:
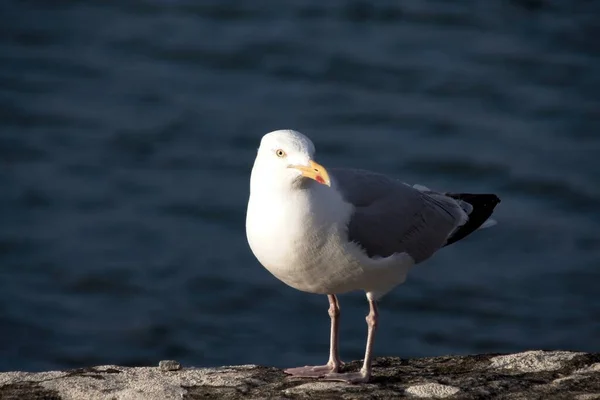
421	188
488	223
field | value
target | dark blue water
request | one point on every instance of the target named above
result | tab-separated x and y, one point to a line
127	134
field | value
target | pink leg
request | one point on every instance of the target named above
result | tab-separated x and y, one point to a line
334	363
365	373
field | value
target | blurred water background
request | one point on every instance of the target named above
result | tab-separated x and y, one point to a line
127	134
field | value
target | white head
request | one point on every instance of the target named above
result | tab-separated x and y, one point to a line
286	158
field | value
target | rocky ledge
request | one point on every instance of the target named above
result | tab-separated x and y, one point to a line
529	375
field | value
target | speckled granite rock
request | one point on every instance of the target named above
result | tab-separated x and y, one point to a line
529	375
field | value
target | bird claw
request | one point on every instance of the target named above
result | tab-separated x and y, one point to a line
317	371
348	377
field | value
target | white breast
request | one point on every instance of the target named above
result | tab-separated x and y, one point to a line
299	236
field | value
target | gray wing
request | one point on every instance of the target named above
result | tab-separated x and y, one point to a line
393	217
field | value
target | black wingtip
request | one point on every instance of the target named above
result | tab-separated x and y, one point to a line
483	207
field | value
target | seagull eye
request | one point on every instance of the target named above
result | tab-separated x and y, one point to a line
280	153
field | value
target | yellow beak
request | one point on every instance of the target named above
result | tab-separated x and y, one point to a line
314	171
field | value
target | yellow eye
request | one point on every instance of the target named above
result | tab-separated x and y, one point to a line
280	153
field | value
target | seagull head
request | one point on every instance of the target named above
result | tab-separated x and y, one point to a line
287	157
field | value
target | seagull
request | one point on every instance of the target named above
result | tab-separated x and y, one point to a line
332	231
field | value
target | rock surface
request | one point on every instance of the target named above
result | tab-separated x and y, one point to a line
529	375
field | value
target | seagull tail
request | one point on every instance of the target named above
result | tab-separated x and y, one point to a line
482	206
